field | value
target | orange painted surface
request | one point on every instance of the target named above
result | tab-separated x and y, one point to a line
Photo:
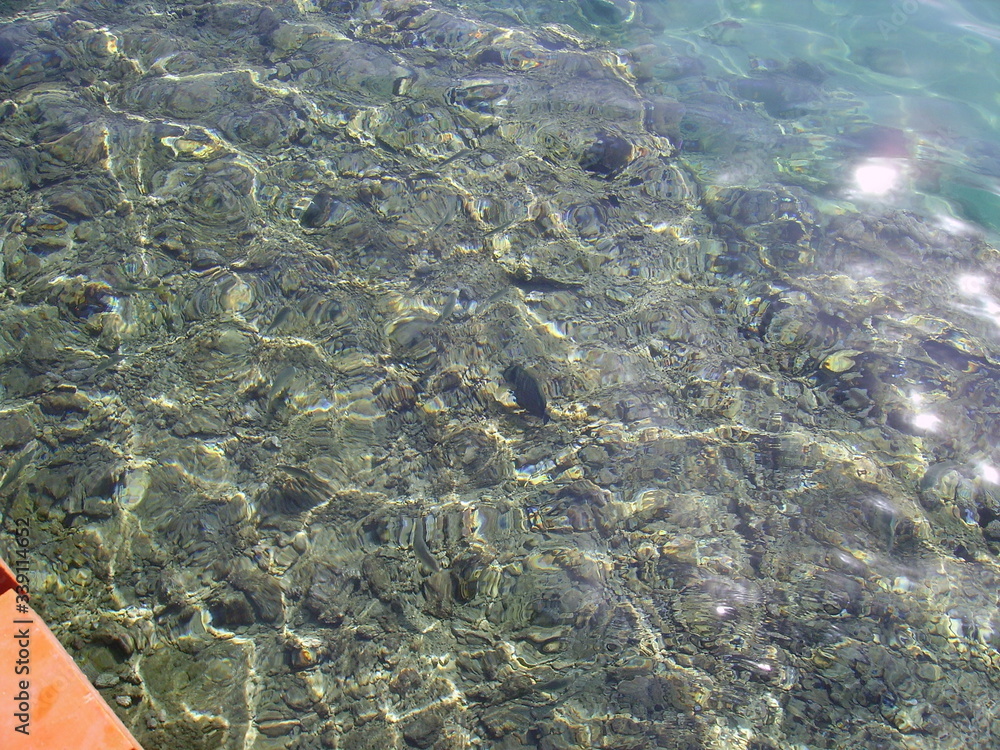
65	712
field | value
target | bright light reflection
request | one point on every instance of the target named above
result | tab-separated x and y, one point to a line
876	177
926	421
969	284
954	226
989	473
977	287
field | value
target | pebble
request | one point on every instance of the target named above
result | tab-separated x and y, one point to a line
106	680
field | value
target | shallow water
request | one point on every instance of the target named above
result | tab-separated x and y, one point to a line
588	375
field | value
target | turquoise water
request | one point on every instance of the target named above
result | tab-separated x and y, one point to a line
926	68
585	374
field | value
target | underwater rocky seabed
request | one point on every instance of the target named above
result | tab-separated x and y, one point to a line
265	269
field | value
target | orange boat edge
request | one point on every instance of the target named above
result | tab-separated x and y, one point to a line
47	701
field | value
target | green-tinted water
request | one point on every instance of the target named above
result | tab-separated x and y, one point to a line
926	68
585	374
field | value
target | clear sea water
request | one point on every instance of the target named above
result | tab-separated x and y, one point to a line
926	67
564	374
